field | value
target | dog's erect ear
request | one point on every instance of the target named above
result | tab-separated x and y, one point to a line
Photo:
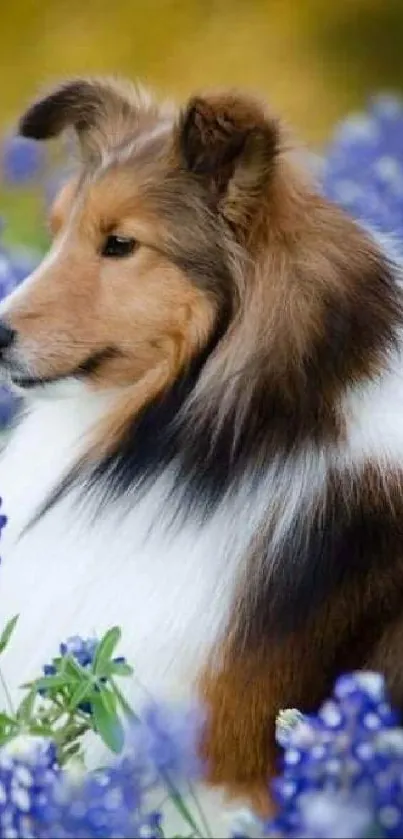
228	141
102	112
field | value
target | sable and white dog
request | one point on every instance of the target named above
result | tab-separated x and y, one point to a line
211	454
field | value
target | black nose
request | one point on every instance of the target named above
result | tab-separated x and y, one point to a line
7	336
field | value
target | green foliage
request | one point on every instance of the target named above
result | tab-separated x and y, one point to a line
72	700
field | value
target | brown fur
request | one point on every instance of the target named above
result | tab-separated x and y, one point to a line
234	241
259	672
306	261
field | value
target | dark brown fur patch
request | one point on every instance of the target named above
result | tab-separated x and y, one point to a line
354	528
355	621
229	142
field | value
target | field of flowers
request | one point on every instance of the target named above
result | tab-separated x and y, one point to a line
341	774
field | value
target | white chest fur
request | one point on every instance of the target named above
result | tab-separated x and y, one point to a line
170	591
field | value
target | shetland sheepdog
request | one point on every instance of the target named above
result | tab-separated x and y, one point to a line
211	450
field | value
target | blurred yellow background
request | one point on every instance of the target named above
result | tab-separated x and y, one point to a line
315	59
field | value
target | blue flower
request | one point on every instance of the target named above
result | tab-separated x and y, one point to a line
28	774
165	742
363	167
109	802
23	160
83	650
15	265
3	518
120	800
343	767
39	801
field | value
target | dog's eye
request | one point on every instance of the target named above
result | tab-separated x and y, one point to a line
118	246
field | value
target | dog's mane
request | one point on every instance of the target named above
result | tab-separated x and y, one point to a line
306	304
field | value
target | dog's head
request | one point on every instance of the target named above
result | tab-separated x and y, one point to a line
139	275
193	234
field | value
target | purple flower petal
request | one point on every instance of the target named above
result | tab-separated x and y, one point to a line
22	160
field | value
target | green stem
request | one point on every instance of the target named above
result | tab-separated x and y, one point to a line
180	805
199	810
72	733
7	694
123	702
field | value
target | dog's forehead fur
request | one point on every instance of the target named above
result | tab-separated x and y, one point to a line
140	188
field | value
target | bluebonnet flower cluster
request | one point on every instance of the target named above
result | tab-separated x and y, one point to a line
28	773
160	757
39	800
343	767
106	803
23	161
117	801
84	651
15	265
363	166
166	741
342	776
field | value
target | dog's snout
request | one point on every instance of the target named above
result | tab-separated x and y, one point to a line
7	336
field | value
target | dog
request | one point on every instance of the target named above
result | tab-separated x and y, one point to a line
211	449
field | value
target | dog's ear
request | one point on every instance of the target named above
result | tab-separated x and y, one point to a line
229	142
101	112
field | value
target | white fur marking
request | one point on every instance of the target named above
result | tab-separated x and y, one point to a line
170	594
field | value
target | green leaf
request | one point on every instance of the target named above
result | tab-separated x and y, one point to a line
181	806
50	683
73	749
8	725
119	668
7	633
107	722
66	754
73	670
109	699
24	711
126	708
82	691
6	720
41	730
105	650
